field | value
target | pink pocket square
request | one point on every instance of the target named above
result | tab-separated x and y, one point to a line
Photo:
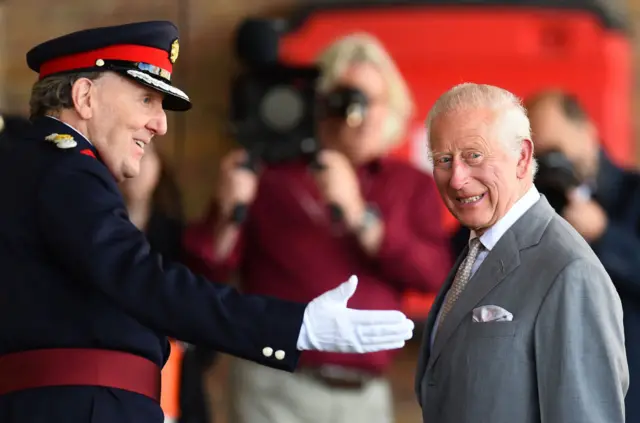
491	313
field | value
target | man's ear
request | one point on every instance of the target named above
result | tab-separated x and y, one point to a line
525	159
82	92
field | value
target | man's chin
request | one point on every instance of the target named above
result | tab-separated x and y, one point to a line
474	223
131	172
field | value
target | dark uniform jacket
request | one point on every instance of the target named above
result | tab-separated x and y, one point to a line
76	273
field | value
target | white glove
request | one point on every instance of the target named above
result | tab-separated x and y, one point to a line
328	325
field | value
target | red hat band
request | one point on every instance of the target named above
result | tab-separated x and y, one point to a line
90	59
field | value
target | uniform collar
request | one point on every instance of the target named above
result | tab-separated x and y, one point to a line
45	126
72	128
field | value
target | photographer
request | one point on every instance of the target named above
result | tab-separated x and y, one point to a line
390	234
599	199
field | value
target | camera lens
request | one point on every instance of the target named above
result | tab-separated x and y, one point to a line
282	108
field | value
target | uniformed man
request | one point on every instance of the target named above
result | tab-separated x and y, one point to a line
85	304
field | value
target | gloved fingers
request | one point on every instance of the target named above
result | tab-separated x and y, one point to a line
385	339
383	346
386	329
376	317
360	348
384	335
342	292
348	288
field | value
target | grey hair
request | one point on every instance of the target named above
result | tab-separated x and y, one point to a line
364	48
52	94
511	120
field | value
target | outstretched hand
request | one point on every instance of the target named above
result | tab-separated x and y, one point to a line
329	325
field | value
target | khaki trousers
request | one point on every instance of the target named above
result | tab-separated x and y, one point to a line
259	394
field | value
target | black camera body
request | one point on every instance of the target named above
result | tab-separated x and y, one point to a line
272	112
556	177
275	107
345	103
275	111
272	104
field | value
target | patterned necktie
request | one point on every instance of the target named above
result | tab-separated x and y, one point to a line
462	277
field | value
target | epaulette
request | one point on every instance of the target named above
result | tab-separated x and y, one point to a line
66	141
63	141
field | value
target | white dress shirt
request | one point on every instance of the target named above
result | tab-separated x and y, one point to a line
490	238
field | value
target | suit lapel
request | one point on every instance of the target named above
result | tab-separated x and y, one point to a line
425	349
503	259
437	303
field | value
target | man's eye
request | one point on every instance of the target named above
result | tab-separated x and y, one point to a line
443	159
146	100
475	156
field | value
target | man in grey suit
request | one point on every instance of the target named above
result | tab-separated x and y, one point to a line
528	326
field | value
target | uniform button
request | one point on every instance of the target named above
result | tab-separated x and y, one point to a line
279	354
267	351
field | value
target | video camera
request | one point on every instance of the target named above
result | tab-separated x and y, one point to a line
275	107
556	177
272	112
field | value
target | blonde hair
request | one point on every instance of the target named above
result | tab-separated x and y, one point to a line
364	48
511	122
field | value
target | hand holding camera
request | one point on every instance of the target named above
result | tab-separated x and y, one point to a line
339	185
586	216
238	183
559	181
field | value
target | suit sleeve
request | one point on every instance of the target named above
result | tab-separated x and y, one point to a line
618	250
580	354
84	221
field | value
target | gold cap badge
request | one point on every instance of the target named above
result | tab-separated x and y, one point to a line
175	51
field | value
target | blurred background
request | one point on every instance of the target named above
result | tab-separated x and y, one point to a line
588	49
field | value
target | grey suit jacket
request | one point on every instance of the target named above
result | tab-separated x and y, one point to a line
560	360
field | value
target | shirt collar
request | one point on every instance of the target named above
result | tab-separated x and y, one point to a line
490	238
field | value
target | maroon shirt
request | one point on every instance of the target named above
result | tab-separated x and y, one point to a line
290	249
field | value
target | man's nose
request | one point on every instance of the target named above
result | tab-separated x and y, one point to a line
459	175
158	124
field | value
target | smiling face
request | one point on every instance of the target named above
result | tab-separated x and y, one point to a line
121	119
477	177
